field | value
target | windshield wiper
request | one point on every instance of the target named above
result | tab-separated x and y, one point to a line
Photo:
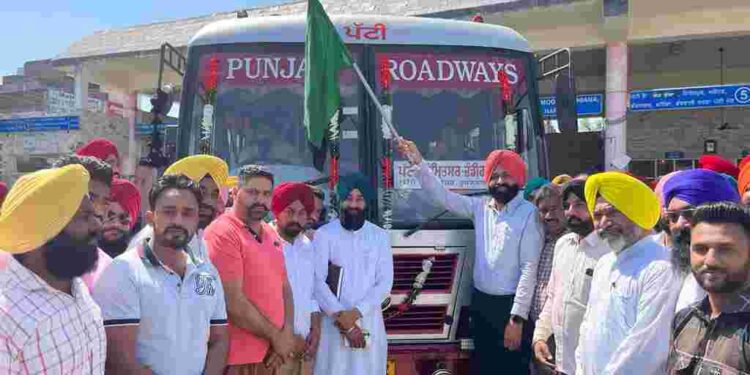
423	225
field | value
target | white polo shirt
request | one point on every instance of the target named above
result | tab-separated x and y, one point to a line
173	314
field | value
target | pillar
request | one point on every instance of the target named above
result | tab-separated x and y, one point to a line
131	113
616	103
81	87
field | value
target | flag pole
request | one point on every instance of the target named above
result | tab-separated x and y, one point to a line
374	98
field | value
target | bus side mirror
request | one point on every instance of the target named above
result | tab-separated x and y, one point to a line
565	98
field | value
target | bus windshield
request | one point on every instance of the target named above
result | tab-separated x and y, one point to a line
449	100
450	103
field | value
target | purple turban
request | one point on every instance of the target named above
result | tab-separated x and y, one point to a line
698	186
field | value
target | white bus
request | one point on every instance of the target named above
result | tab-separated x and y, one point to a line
446	96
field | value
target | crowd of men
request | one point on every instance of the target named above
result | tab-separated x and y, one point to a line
200	272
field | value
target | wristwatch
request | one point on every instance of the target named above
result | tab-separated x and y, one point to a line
517	319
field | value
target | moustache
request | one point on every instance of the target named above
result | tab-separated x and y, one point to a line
176	228
258	206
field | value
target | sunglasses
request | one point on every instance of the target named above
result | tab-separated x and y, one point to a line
687	214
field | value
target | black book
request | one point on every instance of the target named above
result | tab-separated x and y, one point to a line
334	279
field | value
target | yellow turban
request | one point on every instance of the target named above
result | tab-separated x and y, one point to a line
198	166
561	179
627	194
232	181
40	205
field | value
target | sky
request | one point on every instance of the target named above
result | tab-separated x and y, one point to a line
41	29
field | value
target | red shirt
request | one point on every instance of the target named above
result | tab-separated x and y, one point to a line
260	266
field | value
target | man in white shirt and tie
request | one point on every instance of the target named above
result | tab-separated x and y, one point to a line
509	240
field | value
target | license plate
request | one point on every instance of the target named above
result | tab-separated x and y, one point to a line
391	369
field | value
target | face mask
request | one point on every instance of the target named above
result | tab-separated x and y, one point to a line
503	193
353	219
579	227
67	257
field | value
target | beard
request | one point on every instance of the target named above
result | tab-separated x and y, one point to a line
205	216
67	257
681	250
579	227
717	280
175	237
504	193
616	241
115	246
256	212
291	230
353	219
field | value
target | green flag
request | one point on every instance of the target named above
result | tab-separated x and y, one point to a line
325	56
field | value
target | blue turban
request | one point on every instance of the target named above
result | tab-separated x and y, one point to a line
698	186
353	181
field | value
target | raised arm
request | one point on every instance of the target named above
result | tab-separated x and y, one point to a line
432	186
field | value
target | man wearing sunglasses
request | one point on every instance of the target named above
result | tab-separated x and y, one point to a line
682	194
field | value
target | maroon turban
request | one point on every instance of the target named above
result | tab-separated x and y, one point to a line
719	165
128	196
100	148
287	193
3	192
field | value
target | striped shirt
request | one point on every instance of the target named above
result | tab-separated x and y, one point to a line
542	276
46	331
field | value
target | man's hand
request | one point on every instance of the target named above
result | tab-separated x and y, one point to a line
273	360
409	150
312	343
542	353
513	332
345	320
300	344
283	344
356	338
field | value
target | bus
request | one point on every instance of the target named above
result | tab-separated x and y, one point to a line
458	89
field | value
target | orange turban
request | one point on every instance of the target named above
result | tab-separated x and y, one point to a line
508	160
744	162
744	181
128	196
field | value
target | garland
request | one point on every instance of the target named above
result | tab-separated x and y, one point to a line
416	289
210	84
386	163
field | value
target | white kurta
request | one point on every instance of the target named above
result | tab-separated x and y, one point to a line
367	262
628	320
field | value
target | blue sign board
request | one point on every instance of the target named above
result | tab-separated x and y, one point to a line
586	105
690	98
146	129
39	124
